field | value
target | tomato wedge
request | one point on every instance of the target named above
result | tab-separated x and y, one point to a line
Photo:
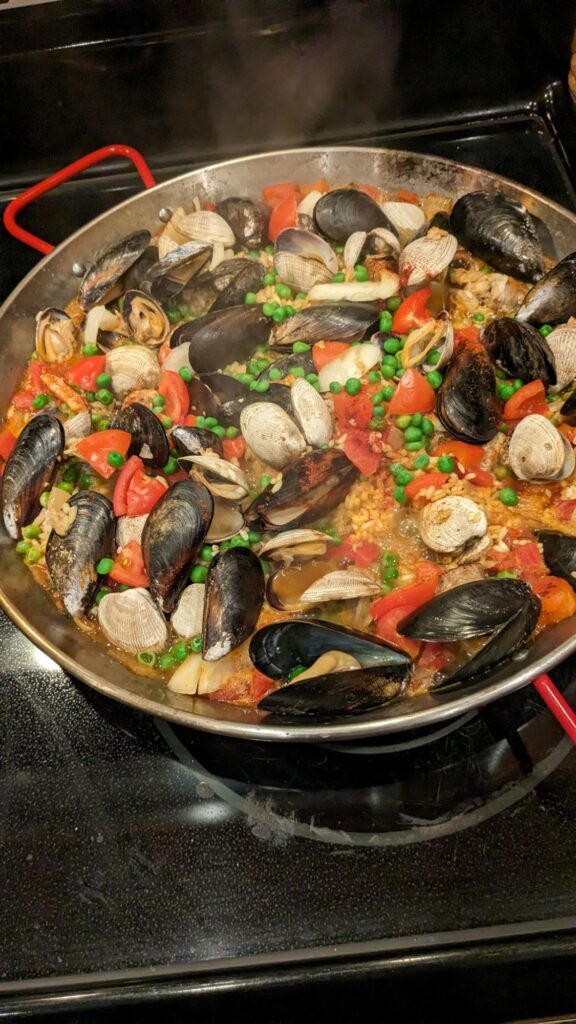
558	600
129	566
525	559
564	509
404	196
36	368
174	390
531	398
357	448
353	411
362	552
23	399
96	448
370	190
324	352
283	216
234	447
84	373
386	629
135	492
316	186
413	394
274	194
467	334
405	597
422	483
7	442
470	455
412	312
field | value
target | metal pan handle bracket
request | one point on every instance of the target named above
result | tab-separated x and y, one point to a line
27	197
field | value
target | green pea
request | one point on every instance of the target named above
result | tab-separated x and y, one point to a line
260	386
417	418
335	387
391	345
434	379
196	644
166	661
90	349
390	573
413	434
65	485
232	432
115	459
395	468
386	588
421	461
30	532
104	566
378	397
339	277
301	296
279	315
404	477
268	308
427	427
171	466
104	396
283	291
275	374
414	446
245	378
378	410
147	658
360	273
446	464
22	547
219	431
158	402
400	495
179	651
265	481
517	384
433	357
103	380
546	329
387	392
312	378
352	386
85	481
44	498
300	346
296	371
508	496
250	298
505	391
374	377
201	422
506	574
479	317
186	374
269	279
254	537
385	321
198	574
103	424
173	316
90	396
404	421
393	303
239	542
388	372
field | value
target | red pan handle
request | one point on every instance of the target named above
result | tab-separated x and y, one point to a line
561	710
56	179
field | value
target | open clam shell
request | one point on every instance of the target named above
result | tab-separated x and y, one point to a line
301	272
131	621
307	244
312	413
271	434
132	368
562	344
450	523
186	619
538	451
406	218
426	258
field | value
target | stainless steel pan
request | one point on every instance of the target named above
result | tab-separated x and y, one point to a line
52	282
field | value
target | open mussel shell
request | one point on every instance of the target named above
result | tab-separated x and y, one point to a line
145	319
109	267
341	212
234	597
285	586
312	485
72	559
249	278
473	609
344	321
203	401
173	534
131	621
222	337
552	300
520	349
276	649
227	521
559	553
441	220
302	360
56	336
248	221
149	440
166	278
196	441
499	231
341	693
467	404
501	644
29	470
134	277
229	413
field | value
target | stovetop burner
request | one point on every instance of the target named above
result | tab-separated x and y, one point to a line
396	790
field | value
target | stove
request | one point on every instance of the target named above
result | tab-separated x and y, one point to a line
148	865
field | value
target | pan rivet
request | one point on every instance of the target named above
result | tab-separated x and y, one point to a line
165	214
78	269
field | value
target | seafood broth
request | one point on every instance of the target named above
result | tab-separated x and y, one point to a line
310	452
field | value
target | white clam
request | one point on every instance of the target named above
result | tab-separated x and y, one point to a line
425	258
186	619
132	368
131	621
301	272
78	426
407	218
312	413
227	520
341	585
357	291
355	362
538	451
434	334
204	226
129	528
271	434
450	523
329	663
222	478
562	342
294	544
300	242
357	240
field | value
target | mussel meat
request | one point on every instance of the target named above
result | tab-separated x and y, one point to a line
552	300
466	403
500	231
149	440
312	485
56	336
344	210
559	553
72	559
109	267
173	534
29	470
248	221
249	278
146	320
234	596
520	350
504	610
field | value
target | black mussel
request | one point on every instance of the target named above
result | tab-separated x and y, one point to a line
441	220
545	238
467	405
145	319
520	350
137	273
559	553
196	441
279	394
149	440
173	534
166	278
248	221
204	290
29	470
109	267
553	299
340	213
71	559
568	409
278	648
233	599
499	231
249	279
203	401
312	485
226	336
302	360
224	386
342	693
345	321
504	611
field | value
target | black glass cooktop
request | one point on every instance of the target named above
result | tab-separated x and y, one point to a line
137	855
